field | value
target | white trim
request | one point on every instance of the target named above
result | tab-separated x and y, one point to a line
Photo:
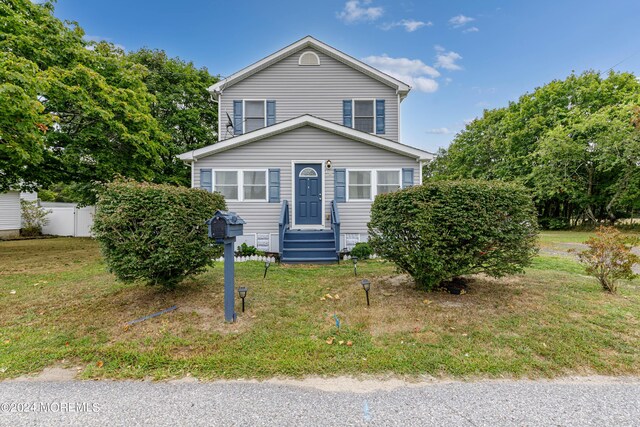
374	117
307	120
266	185
220	119
244	114
193	174
309	42
399	118
371	178
240	185
213	182
398	170
374	181
308	65
293	195
420	172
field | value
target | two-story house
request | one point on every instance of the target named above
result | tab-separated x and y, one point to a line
308	137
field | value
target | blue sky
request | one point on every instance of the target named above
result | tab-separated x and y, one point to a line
460	56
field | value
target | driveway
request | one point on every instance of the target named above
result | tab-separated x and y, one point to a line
587	401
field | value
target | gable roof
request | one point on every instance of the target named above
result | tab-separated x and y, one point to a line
306	120
306	42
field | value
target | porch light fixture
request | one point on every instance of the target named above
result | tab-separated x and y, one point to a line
355	265
242	293
328	164
267	264
366	285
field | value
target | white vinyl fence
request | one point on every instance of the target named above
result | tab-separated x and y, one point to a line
67	219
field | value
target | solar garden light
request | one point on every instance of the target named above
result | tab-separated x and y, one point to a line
267	264
366	285
242	293
355	265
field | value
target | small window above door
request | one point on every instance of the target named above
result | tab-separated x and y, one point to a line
308	173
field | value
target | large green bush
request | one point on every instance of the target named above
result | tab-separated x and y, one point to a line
155	233
444	229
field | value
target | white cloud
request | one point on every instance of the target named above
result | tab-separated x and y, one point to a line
471	30
413	72
460	21
447	60
406	66
354	12
439	131
409	24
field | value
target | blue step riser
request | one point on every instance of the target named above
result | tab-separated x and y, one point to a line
292	235
310	255
311	247
301	244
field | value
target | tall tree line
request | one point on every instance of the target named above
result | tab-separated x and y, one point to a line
78	113
575	143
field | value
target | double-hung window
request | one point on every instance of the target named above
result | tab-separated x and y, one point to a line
364	115
226	183
241	185
359	185
254	115
387	181
254	185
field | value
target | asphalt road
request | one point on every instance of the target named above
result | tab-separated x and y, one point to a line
574	402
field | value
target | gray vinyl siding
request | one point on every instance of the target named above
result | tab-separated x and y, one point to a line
316	90
304	144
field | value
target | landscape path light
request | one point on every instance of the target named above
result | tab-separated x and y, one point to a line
242	293
366	285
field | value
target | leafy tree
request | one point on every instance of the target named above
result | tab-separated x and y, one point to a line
182	106
574	143
76	111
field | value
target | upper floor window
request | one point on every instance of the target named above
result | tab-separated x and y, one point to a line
254	115
366	115
363	117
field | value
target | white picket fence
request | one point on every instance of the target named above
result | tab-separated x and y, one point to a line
261	258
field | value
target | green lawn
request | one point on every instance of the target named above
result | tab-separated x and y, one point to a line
59	307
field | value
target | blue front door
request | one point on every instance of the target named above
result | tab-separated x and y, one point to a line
308	193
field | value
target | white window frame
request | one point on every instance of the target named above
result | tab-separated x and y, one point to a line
266	185
244	114
240	176
374	181
308	65
371	181
398	171
353	113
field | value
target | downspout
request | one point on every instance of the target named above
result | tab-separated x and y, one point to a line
399	118
193	173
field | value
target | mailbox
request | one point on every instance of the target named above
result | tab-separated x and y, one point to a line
225	225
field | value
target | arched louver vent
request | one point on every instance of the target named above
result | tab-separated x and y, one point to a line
309	58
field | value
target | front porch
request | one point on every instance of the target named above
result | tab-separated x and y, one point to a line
320	246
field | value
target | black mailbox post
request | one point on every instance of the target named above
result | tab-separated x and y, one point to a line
224	227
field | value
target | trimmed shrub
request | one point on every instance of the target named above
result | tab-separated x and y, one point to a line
609	258
362	250
444	229
155	233
34	217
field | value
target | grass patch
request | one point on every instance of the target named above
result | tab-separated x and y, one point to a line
67	310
